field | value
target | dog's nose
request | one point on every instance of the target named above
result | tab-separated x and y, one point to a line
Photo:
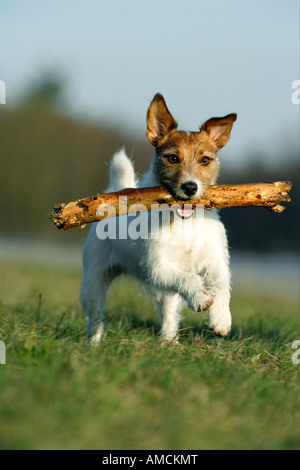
190	188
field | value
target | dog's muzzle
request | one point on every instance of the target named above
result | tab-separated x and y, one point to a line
189	189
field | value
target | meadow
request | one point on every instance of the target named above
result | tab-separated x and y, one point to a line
132	392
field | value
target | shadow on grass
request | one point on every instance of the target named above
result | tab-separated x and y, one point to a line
124	321
256	328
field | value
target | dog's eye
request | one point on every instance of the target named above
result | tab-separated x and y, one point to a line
205	160
173	159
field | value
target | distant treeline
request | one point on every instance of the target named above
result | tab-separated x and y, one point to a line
47	157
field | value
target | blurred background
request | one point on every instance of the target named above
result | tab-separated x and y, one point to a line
79	77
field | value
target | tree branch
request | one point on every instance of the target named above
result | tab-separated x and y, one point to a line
96	208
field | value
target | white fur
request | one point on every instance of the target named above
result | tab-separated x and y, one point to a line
172	271
121	172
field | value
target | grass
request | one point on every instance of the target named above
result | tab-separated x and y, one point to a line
58	392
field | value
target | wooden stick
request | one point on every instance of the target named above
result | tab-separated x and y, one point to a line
96	208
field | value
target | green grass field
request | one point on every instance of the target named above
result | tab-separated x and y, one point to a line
132	392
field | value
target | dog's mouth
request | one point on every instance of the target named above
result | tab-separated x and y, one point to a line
184	213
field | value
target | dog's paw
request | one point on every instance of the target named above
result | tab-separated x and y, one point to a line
200	301
169	341
205	306
220	326
223	331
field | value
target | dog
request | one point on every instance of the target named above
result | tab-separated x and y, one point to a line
185	163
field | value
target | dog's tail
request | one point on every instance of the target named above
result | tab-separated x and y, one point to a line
121	172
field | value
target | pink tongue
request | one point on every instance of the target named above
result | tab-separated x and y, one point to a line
185	212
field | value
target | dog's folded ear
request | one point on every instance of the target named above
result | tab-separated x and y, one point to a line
219	129
159	120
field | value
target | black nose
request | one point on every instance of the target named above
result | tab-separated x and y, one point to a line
190	188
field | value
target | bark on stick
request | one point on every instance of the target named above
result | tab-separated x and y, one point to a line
95	208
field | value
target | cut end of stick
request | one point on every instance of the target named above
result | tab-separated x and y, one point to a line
277	208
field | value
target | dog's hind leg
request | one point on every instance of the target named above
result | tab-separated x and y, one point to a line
93	297
169	306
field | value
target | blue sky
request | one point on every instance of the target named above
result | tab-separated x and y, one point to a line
207	58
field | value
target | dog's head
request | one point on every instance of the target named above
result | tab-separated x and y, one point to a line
186	162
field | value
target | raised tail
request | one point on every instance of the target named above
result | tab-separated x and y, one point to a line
121	172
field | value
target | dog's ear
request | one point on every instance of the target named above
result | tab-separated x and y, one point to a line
159	120
219	129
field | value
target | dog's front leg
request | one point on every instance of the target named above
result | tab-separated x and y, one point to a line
189	285
218	282
169	306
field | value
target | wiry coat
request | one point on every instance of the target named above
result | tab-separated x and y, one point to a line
189	265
